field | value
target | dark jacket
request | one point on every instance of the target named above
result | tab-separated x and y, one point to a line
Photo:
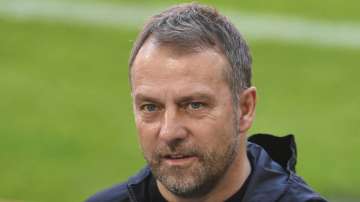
273	176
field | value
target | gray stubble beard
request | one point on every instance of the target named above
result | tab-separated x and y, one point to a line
201	177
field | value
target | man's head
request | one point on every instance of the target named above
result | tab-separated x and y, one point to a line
190	73
192	28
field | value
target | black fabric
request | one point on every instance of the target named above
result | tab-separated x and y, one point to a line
281	149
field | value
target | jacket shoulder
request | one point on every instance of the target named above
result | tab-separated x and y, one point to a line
121	192
274	177
117	193
299	191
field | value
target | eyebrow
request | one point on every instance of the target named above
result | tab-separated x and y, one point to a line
142	97
193	96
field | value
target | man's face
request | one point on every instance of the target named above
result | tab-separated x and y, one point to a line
184	116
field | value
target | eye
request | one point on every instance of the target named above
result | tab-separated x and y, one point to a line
149	108
195	105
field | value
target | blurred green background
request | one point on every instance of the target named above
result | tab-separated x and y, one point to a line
66	123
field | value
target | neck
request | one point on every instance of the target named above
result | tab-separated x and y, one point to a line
231	182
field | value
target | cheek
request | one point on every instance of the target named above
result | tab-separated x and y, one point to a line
212	134
147	135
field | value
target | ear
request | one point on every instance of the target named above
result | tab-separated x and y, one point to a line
247	104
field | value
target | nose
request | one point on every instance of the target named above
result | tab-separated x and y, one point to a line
172	126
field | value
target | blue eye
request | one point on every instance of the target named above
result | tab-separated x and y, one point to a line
195	105
149	107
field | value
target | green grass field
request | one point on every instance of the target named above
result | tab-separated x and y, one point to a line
66	123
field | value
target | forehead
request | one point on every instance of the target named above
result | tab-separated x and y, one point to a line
160	63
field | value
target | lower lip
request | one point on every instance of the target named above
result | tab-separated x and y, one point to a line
180	161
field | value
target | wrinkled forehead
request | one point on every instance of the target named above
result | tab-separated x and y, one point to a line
163	53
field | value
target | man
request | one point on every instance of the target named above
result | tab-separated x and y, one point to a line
190	74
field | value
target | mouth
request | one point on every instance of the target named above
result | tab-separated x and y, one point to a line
179	159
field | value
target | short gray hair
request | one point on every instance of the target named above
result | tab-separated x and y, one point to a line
193	26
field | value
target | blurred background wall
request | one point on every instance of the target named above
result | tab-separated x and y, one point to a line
66	123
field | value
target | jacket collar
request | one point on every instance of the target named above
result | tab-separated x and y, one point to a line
136	184
281	149
273	161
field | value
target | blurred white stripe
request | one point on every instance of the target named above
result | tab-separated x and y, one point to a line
254	26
